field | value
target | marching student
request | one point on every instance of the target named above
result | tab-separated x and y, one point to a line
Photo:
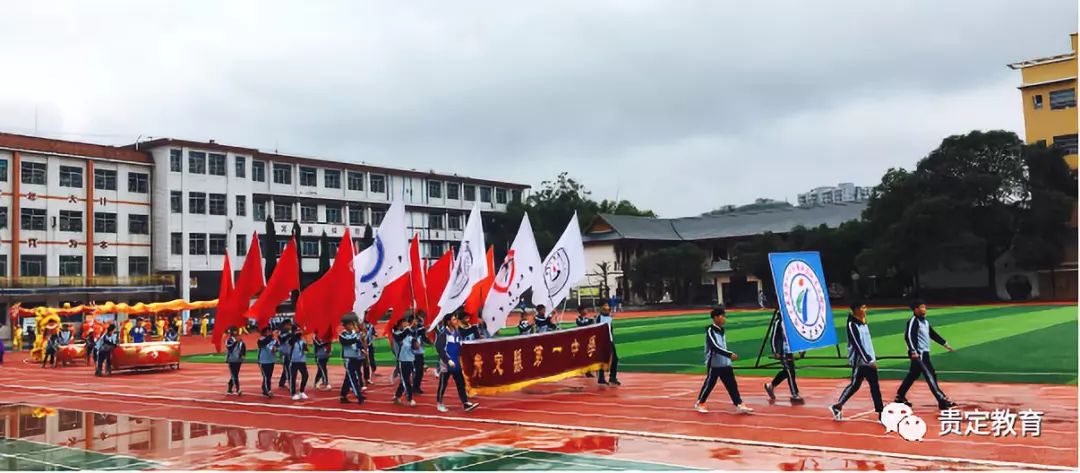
718	363
407	346
583	320
544	321
782	351
917	337
448	345
862	359
604	317
352	351
105	345
322	357
235	351
268	345
91	345
298	364
369	345
527	325
52	345
285	336
420	335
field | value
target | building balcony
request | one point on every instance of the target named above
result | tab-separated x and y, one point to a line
37	285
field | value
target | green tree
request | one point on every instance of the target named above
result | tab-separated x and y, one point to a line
676	268
750	257
1044	232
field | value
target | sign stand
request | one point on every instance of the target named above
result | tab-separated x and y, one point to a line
774	363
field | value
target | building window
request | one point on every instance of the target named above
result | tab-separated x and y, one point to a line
217	204
281	244
1066	142
485	195
70	176
3	266
259	211
282	173
332	247
33	173
258	171
470	192
3	217
196	162
308	176
176	243
241	245
356	215
1037	101
500	196
377	216
104	266
32	219
71	221
241	166
138	224
138	182
309	248
138	266
3	170
435	249
378	183
241	206
217	164
217	243
332	179
197	202
356	181
435	221
176	202
309	213
104	222
1065	98
71	265
515	195
283	212
176	160
434	189
105	179
333	214
197	244
454	222
453	190
32	266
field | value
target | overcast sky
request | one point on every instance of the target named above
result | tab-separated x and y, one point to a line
680	106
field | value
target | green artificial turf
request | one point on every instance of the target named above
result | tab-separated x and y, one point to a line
1029	344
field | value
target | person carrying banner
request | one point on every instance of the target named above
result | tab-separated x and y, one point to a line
782	351
863	361
352	351
604	317
448	345
235	351
584	320
917	337
285	337
420	335
406	354
267	347
298	364
527	325
322	358
542	320
718	363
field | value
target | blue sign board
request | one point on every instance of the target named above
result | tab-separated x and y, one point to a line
803	299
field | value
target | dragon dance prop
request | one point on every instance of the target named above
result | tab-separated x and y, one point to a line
129	356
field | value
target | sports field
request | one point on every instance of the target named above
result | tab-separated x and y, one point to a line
1000	344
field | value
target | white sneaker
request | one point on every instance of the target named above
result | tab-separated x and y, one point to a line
412	403
296	397
363	388
442	408
743	409
700	408
303	396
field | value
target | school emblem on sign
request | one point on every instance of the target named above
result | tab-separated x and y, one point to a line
556	272
505	276
460	277
380	255
803	300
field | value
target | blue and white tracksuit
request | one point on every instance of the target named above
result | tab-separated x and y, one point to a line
353	352
718	364
782	351
917	337
861	357
448	345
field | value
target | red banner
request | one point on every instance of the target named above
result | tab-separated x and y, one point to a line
497	365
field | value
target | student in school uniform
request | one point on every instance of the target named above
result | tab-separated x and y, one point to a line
420	335
584	320
917	337
298	364
863	361
268	346
369	346
407	346
322	358
527	325
604	317
91	346
105	345
448	345
52	345
782	351
353	352
171	334
235	351
718	363
285	337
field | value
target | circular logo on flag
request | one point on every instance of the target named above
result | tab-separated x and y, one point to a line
804	300
557	272
460	277
380	254
505	276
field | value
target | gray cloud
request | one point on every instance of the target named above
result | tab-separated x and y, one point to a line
678	106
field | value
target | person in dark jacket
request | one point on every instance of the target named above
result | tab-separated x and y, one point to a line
105	346
604	317
420	334
322	358
369	345
782	351
52	345
235	351
406	353
863	361
917	337
527	325
584	320
285	336
353	350
298	364
268	346
718	363
91	346
448	345
543	321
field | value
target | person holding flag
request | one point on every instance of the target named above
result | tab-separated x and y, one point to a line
235	351
448	345
322	358
604	317
368	346
268	346
406	349
352	351
583	320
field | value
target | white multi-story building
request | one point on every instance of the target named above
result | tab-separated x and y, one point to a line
841	193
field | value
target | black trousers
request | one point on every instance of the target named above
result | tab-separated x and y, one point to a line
921	367
858	374
321	373
459	383
91	354
234	375
726	375
787	372
300	368
50	358
286	372
371	357
353	381
267	376
418	373
614	366
104	362
405	385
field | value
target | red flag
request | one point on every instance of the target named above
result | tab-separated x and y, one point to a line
437	277
223	318
250	281
416	274
397	296
322	304
286	278
479	293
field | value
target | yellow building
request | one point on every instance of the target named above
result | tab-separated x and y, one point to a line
1049	100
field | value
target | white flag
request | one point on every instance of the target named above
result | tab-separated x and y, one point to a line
516	275
563	268
470	266
384	261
